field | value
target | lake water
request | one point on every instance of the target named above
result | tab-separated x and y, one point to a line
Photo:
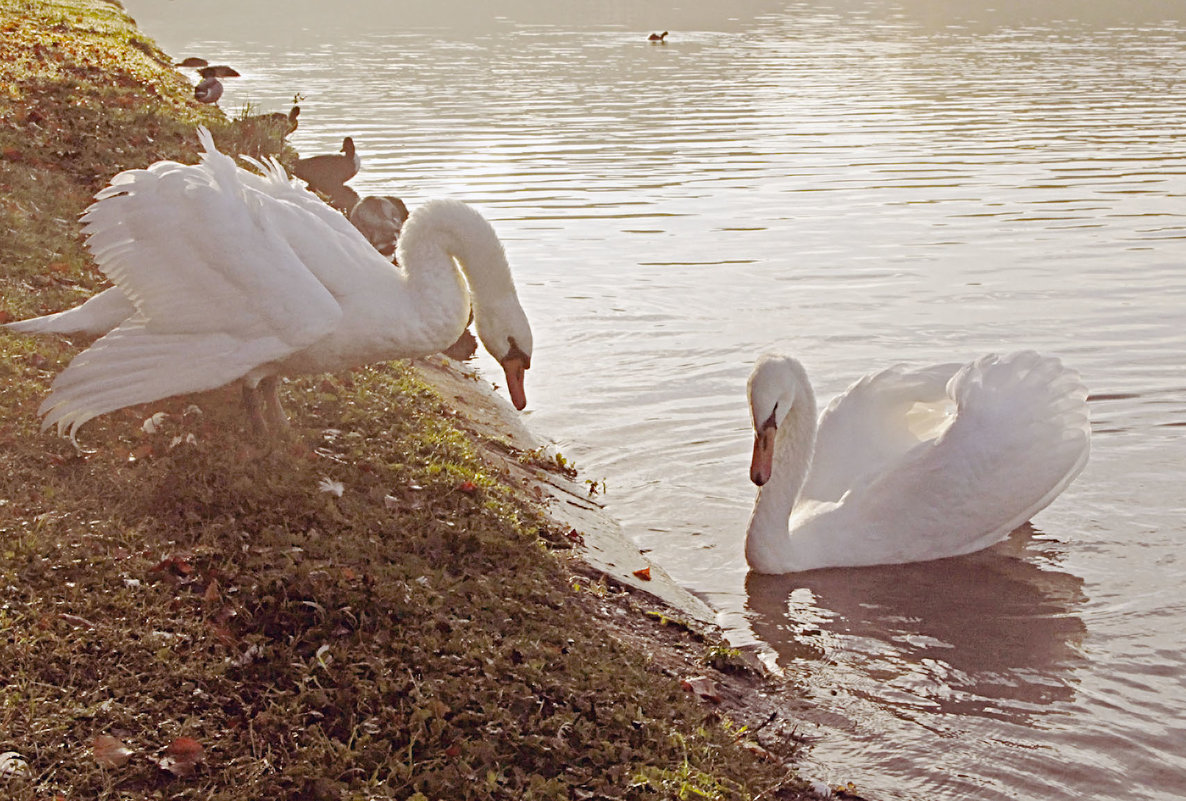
858	184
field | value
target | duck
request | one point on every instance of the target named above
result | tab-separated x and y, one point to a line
217	71
380	218
341	197
658	37
287	287
208	90
908	465
324	173
281	124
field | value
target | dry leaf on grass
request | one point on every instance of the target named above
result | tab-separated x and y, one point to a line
109	751
703	688
182	756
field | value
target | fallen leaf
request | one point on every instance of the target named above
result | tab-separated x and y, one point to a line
140	452
182	756
175	565
468	487
109	751
644	573
703	688
211	594
75	620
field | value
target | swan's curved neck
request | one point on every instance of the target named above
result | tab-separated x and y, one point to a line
441	242
433	246
769	547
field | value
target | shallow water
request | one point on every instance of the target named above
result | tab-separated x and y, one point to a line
858	184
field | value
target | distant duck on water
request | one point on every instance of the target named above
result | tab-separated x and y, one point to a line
658	37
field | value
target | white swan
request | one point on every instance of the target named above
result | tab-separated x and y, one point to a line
908	465
223	274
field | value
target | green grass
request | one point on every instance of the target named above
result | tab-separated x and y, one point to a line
415	637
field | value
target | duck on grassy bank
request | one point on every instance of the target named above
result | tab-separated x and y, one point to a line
208	90
325	173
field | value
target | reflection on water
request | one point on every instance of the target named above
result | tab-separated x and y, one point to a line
987	634
859	183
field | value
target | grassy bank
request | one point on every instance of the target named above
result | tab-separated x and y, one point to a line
374	612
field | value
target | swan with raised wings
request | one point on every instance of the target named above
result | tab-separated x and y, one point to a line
222	275
908	465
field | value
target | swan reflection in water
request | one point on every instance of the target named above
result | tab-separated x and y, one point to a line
993	633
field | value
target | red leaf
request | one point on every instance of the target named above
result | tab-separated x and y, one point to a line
468	487
175	565
182	756
644	574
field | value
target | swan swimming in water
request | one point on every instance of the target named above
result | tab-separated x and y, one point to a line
908	465
222	274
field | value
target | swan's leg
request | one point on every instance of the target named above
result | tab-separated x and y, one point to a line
253	406
274	414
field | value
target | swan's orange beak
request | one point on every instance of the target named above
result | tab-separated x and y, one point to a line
763	460
515	367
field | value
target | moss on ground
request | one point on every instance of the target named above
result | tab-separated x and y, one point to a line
370	612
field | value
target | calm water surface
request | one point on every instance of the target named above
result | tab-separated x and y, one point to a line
857	184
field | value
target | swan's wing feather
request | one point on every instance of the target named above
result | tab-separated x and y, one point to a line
1019	437
134	365
873	424
96	316
195	251
334	250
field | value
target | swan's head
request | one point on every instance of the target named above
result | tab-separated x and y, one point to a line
776	384
505	334
348	147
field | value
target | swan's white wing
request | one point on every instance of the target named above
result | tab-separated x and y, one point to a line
219	288
354	260
873	424
1020	435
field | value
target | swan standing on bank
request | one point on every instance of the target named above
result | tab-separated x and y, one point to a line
908	465
223	275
